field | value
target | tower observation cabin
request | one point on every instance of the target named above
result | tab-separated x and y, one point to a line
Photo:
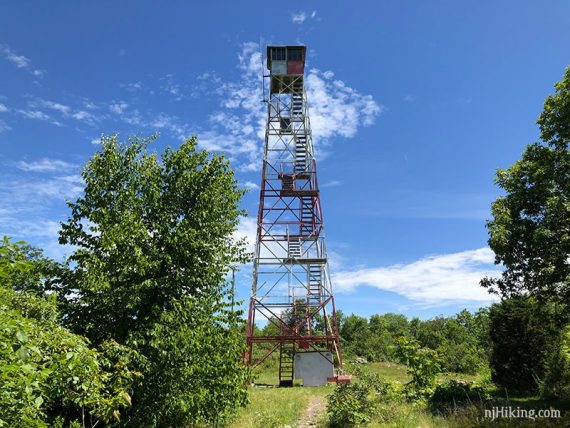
285	63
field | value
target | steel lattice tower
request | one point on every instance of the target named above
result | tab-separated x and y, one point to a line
291	282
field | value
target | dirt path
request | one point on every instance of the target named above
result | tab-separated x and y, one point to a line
315	409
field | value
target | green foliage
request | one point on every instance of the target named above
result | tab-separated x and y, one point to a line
192	360
349	404
367	397
46	371
556	382
521	333
153	239
530	228
457	340
354	333
462	341
454	394
423	365
530	235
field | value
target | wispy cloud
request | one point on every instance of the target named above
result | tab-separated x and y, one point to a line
170	86
336	110
247	229
38	115
63	110
302	16
435	280
132	86
4	126
332	183
251	185
3	108
20	61
299	17
46	165
33	198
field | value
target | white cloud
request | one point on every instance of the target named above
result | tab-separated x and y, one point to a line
36	110
34	196
34	114
29	203
82	115
247	229
3	108
431	281
20	61
170	86
251	185
38	115
332	183
4	126
298	18
131	87
172	124
46	165
336	110
302	16
63	109
118	107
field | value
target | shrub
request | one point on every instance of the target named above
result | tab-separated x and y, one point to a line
423	365
522	332
349	404
556	382
454	393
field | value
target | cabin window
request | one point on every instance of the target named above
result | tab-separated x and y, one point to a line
295	54
278	54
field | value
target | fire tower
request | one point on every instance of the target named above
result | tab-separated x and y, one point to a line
291	286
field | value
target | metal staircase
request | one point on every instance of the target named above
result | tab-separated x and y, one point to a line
287	182
294	248
315	284
297	104
307	219
286	362
300	154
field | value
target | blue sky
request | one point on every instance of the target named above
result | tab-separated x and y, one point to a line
413	105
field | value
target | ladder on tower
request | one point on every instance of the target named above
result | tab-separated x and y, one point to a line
287	182
300	154
294	248
307	219
315	284
297	106
286	363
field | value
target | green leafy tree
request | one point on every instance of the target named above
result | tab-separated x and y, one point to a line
556	382
153	239
522	337
354	334
423	366
455	339
530	228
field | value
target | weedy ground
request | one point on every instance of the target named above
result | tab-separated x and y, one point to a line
273	407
